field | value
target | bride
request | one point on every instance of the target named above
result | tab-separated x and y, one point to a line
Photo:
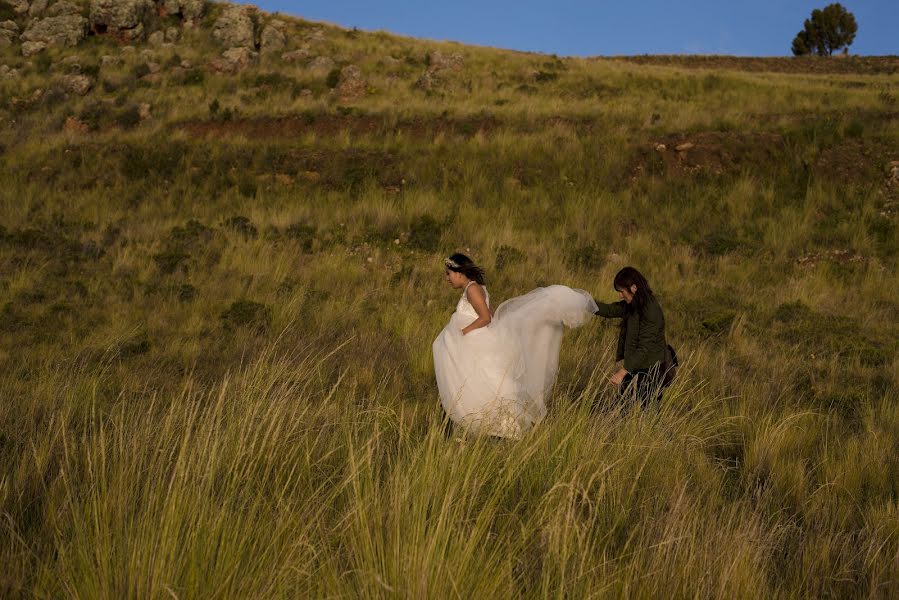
495	369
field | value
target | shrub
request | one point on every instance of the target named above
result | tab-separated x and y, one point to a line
159	157
140	70
170	260
186	292
192	77
424	233
247	313
92	70
333	78
247	186
173	61
43	63
134	347
243	226
190	234
7	13
302	234
128	118
94	115
587	257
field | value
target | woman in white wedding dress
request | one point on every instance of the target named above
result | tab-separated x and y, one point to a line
495	369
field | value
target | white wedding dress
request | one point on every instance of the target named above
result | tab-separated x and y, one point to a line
495	380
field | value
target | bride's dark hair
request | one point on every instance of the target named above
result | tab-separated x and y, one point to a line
460	263
629	276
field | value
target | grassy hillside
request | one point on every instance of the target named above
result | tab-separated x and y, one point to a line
218	294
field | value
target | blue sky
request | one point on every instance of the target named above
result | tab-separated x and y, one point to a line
603	27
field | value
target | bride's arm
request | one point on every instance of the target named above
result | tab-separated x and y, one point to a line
478	300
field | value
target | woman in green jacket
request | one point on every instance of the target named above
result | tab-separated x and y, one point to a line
641	343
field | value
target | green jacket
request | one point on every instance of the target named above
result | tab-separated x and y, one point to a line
642	340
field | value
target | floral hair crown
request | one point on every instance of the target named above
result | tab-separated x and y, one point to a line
450	263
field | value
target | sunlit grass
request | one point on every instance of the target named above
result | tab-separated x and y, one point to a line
215	363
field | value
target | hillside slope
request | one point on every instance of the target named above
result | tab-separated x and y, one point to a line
221	272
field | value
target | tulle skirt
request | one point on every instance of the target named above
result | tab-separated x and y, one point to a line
496	379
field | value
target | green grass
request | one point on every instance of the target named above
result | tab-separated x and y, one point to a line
215	326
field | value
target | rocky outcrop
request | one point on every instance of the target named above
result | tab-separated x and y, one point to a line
6	72
234	60
322	65
65	30
37	7
123	19
32	48
157	38
234	28
76	84
60	9
189	10
301	55
273	39
20	7
9	31
445	62
351	83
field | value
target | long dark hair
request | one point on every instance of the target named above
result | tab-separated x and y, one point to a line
460	263
629	276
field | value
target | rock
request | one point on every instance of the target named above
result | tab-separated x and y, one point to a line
351	83
234	60
322	65
273	38
32	48
67	30
234	28
127	49
6	72
154	67
296	55
72	63
60	9
120	18
186	64
143	109
111	61
661	147
189	10
684	147
77	84
7	38
37	7
74	126
305	93
443	62
172	35
428	81
20	7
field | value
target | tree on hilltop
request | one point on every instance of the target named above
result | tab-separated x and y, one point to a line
829	29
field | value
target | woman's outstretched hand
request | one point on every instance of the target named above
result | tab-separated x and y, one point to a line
618	377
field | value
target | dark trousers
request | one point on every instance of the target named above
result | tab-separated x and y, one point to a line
643	387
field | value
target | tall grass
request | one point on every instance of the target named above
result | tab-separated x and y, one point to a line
214	351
